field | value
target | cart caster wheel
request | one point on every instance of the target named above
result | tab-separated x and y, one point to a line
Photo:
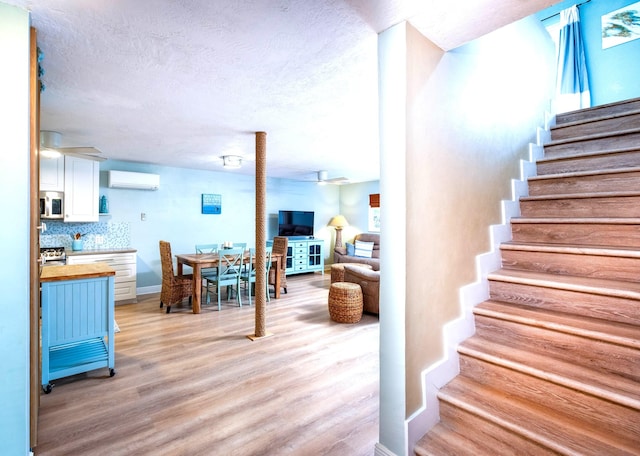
47	388
112	372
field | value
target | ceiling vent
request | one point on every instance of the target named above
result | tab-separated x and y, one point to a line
131	180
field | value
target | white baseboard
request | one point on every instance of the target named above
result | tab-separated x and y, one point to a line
148	290
381	450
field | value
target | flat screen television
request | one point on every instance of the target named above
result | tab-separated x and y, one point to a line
295	223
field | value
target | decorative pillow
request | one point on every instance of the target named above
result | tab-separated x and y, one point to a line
364	249
351	249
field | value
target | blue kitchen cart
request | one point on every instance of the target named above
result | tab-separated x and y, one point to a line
77	320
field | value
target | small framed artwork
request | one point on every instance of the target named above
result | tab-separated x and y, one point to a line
374	219
211	203
621	25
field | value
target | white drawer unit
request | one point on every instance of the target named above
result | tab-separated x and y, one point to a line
123	263
305	256
300	256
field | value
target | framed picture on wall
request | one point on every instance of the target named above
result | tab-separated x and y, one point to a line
621	26
211	203
374	219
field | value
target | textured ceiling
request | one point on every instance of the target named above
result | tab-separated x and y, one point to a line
183	82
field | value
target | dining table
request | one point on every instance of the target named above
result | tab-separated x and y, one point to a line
200	261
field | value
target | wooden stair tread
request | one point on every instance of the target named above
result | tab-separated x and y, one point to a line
573	156
595	110
626	252
609	331
579	220
608	116
605	385
591	195
591	136
537	423
442	440
618	288
596	172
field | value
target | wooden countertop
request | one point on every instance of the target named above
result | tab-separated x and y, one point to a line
75	272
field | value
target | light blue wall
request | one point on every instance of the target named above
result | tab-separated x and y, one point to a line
14	185
613	72
173	212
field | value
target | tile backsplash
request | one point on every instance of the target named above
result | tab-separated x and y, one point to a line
115	235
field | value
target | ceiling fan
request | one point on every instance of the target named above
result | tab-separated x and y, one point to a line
50	147
323	179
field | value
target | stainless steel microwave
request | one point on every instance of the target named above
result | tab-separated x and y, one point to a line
51	205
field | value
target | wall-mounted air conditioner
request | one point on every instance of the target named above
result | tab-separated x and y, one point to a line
139	181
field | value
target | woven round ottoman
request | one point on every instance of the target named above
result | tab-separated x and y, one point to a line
345	302
337	270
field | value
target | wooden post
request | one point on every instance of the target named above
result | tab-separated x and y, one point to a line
261	237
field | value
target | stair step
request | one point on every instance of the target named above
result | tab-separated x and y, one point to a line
444	441
596	112
621	334
609	204
603	287
615	389
604	358
612	122
575	405
528	420
588	297
594	262
578	162
620	180
621	139
612	231
461	433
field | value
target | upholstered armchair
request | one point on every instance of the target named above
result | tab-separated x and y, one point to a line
369	281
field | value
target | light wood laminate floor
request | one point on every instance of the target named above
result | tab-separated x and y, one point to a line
190	384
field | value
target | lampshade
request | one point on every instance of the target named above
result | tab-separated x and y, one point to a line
232	161
338	221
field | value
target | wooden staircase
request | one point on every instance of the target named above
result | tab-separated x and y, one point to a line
554	365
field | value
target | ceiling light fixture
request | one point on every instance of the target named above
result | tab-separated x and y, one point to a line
232	161
49	143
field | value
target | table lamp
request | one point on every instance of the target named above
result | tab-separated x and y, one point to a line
338	222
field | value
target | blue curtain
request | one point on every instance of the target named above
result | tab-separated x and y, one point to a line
572	85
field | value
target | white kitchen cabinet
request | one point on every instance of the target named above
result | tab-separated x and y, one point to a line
81	188
124	263
52	174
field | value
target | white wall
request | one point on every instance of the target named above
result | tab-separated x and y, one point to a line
14	185
393	284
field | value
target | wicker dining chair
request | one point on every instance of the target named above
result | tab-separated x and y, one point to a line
175	288
280	245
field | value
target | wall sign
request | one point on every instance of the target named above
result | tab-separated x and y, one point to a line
211	203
